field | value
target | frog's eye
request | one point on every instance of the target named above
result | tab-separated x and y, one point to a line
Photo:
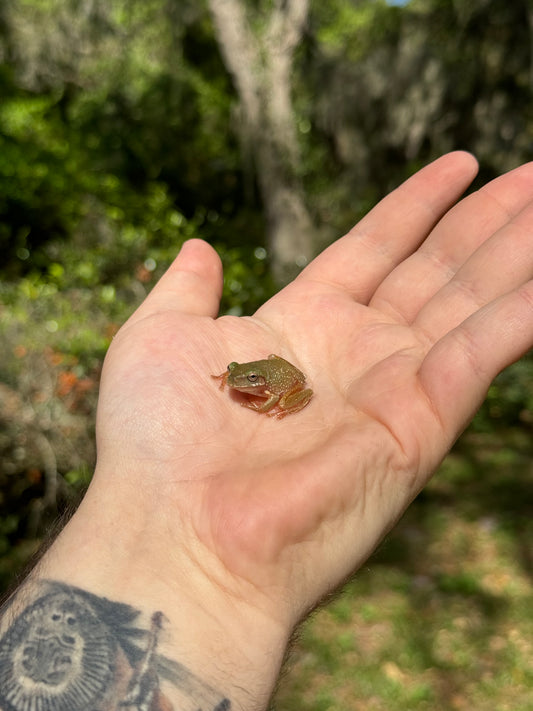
253	377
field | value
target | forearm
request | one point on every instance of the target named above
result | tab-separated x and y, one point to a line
108	620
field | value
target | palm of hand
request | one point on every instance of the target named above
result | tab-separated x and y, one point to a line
333	478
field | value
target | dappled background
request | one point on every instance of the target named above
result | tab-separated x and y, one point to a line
266	127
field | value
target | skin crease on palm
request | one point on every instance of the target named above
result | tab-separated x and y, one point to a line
399	327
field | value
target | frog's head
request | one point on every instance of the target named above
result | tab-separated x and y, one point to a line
246	377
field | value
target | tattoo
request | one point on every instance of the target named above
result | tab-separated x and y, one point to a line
70	650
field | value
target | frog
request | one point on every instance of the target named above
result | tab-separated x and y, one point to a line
278	387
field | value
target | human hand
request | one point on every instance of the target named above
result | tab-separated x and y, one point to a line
400	327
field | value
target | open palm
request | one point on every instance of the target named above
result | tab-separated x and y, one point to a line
399	327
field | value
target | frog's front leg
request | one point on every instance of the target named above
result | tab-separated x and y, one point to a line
292	401
223	377
258	406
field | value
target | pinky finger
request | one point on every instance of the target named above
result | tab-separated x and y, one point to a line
458	370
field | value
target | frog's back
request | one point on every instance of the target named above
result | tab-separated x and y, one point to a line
283	375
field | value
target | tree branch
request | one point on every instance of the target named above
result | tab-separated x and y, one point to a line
240	51
286	25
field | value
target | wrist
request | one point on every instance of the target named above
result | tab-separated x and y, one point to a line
223	646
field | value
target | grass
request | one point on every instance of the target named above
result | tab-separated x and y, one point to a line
441	617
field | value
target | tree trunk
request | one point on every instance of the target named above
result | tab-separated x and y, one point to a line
260	64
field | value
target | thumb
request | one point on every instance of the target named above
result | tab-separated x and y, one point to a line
192	284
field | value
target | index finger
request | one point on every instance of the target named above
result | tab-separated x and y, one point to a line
454	240
360	261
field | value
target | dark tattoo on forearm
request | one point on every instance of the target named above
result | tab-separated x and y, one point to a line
70	650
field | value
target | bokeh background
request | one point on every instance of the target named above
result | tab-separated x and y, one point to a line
267	127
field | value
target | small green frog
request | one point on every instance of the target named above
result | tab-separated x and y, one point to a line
278	382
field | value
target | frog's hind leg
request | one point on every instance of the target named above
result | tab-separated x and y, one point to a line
293	401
